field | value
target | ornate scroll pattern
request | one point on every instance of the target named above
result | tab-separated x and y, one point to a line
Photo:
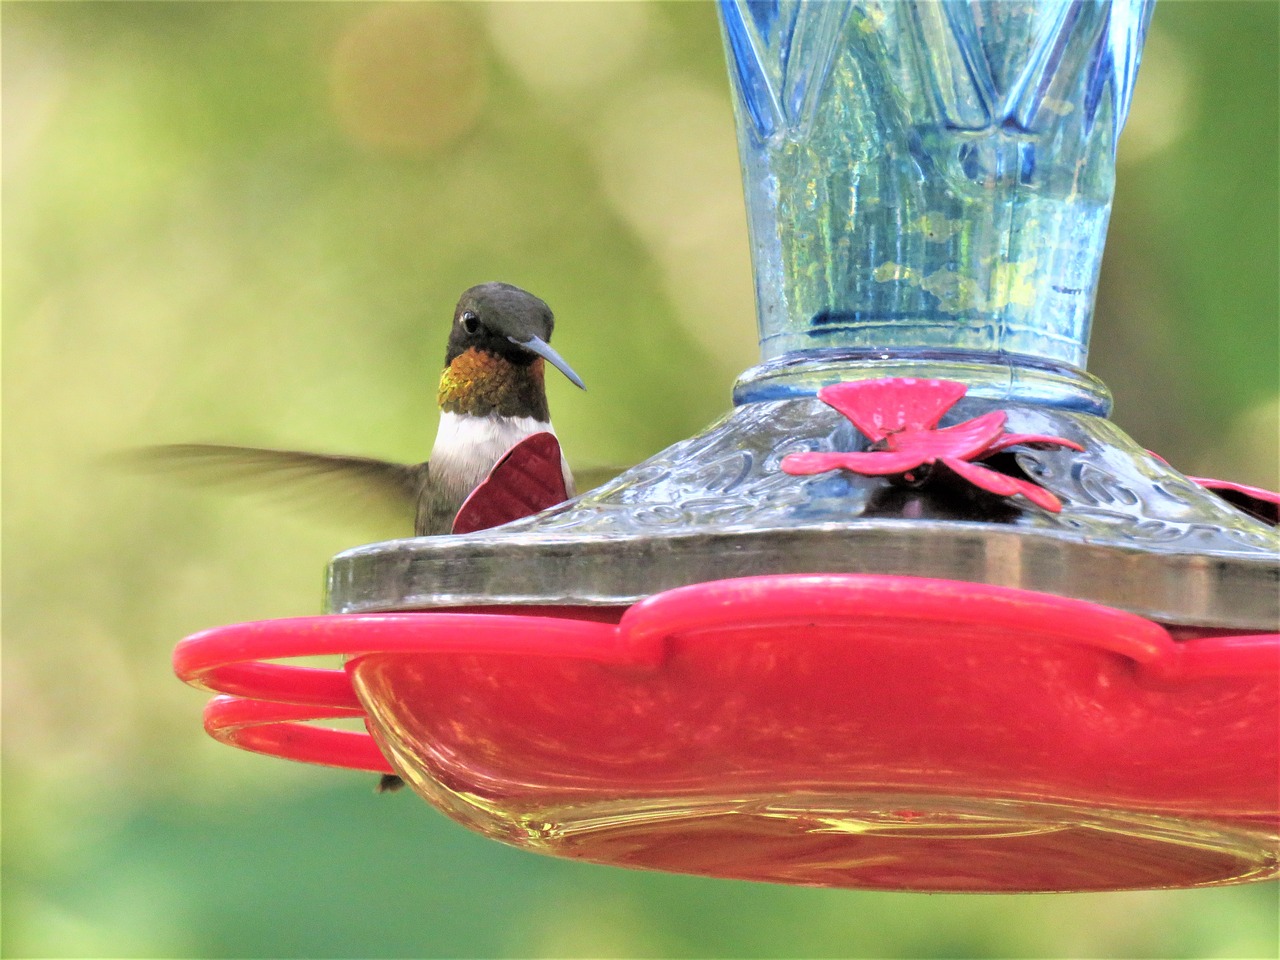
729	477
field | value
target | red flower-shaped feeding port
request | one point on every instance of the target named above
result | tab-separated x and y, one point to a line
900	416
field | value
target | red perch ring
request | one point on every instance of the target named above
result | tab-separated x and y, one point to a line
894	733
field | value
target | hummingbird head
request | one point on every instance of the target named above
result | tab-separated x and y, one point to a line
493	363
507	322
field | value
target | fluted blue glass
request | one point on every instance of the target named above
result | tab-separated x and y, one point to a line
931	179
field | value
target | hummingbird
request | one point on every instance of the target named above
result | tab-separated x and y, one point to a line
492	395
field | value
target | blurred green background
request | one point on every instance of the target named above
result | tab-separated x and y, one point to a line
249	222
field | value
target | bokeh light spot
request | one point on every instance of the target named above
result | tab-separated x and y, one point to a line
1163	100
409	78
668	161
568	49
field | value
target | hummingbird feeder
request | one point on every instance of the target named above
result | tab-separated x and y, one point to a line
915	615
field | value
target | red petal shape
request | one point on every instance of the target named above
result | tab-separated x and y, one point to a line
1004	486
989	480
872	464
965	440
1013	439
881	407
529	478
1039	496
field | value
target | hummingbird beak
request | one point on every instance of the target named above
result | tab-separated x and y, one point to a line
543	349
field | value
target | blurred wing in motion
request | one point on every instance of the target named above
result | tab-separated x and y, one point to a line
349	487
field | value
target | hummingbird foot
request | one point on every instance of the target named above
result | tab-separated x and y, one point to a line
388	783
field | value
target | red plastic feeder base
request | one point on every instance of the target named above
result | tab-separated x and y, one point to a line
892	733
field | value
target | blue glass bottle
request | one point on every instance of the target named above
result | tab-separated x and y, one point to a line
928	185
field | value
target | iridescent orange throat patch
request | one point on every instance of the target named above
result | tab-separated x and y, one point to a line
484	384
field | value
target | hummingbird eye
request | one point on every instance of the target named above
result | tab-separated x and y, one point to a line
470	323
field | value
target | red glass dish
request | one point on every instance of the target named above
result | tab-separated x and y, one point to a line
837	730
